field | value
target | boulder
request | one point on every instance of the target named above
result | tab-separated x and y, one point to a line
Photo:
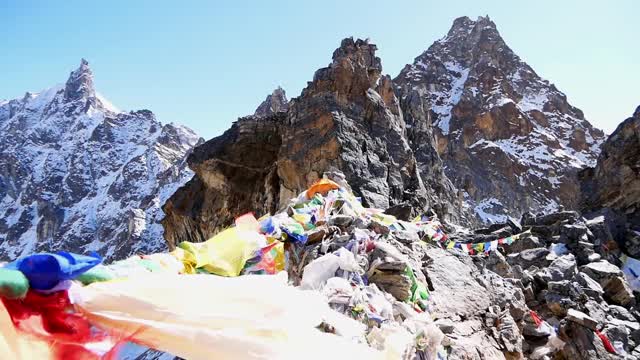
615	286
601	271
530	257
582	319
591	287
563	268
553	218
617	290
497	263
525	243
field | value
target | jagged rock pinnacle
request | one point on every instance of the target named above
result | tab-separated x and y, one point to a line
80	83
490	107
274	103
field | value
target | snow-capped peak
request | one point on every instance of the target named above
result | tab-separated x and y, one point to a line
503	132
77	173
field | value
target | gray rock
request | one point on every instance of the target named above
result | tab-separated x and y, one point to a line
563	267
274	103
632	326
497	263
601	271
615	286
341	220
554	218
459	296
506	294
455	288
530	257
507	334
594	258
573	231
406	237
597	310
582	319
525	243
621	313
532	330
515	225
591	287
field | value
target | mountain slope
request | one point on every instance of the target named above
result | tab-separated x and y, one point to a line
508	138
76	173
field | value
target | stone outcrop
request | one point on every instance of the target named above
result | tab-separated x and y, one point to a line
76	173
508	138
274	103
348	119
241	177
612	187
614	182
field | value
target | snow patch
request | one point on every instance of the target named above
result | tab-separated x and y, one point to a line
487	211
445	100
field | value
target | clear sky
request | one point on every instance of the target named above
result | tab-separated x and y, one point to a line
204	63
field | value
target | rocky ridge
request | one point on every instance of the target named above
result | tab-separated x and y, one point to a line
508	138
77	173
348	119
273	104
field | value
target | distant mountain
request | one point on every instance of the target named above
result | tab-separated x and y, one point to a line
76	173
508	138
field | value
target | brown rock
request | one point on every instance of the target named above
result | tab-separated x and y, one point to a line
347	119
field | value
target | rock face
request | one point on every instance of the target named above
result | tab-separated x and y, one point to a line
78	174
613	185
274	103
348	118
236	173
508	138
614	182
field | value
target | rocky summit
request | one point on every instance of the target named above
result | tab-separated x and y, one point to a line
77	173
347	119
274	103
509	140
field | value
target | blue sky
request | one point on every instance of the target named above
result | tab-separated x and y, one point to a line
204	63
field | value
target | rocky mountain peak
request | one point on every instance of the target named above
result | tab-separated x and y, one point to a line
464	25
91	178
80	83
354	70
348	119
500	128
274	103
